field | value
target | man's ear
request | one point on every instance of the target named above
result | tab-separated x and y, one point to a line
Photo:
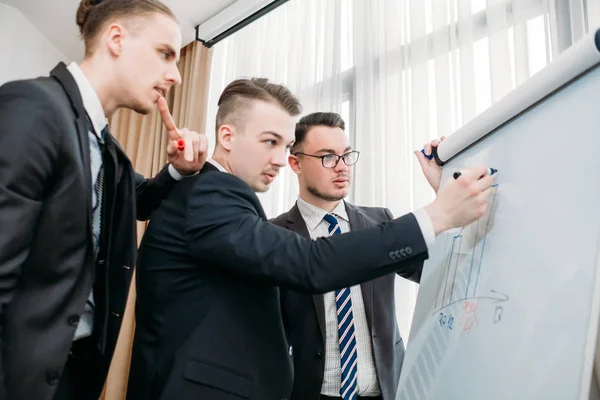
226	136
294	163
114	36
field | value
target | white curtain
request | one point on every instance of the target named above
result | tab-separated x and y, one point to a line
401	72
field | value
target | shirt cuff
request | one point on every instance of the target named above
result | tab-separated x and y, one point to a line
176	175
426	227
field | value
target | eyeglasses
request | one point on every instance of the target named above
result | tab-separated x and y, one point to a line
332	160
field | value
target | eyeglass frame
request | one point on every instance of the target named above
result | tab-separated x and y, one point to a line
329	155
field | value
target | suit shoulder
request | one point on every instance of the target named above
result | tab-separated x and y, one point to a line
210	179
223	189
43	89
28	107
375	212
371	209
39	98
280	220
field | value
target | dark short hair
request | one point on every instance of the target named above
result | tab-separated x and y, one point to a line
92	15
237	97
309	121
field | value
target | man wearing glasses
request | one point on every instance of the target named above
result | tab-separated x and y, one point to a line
371	353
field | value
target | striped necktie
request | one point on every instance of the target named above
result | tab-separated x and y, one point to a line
99	189
346	335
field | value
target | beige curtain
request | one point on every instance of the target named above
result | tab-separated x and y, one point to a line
144	138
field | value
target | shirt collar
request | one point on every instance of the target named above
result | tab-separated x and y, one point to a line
313	215
91	102
217	165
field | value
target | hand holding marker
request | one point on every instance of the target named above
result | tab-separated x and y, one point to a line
457	174
490	171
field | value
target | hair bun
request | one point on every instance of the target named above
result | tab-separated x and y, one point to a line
84	10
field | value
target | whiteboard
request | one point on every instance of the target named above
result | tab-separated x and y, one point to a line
508	307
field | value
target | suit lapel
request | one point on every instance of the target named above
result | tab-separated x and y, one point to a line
118	156
114	153
116	147
82	123
358	221
296	223
320	310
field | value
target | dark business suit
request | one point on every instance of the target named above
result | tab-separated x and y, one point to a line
47	267
209	320
304	316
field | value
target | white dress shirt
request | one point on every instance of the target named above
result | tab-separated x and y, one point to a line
95	111
367	383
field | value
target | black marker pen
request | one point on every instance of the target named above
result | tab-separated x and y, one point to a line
490	171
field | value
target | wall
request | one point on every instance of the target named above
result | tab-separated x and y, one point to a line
26	53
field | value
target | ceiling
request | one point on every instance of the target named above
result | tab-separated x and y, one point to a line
56	19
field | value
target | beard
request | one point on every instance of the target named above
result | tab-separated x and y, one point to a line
324	196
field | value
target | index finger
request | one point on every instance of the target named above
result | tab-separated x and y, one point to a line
165	115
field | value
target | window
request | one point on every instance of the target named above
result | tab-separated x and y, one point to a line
531	15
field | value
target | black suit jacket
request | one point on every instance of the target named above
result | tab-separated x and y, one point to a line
46	258
209	322
304	316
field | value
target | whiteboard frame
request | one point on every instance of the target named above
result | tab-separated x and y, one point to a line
590	346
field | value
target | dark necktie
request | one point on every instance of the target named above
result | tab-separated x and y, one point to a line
99	189
346	334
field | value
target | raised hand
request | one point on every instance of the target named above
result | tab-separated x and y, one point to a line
431	170
187	150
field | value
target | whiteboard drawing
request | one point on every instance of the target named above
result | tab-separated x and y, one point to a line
460	300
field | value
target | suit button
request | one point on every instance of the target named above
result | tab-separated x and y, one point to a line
52	377
320	355
73	320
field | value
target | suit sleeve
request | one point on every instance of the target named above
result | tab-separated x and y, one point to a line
416	275
150	192
29	146
224	230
